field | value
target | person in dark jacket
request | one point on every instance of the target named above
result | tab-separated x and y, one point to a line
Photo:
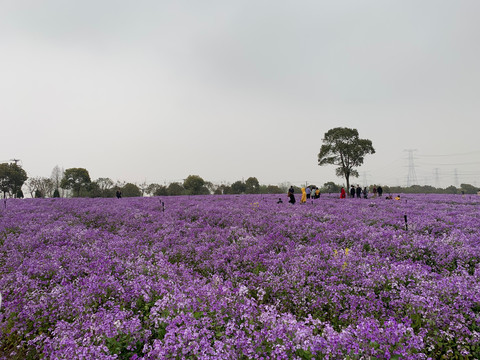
359	191
291	197
352	191
380	191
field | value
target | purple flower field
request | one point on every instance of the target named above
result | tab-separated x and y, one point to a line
240	277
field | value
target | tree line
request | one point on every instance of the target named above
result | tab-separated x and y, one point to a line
76	182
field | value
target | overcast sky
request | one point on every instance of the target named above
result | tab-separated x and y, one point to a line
157	90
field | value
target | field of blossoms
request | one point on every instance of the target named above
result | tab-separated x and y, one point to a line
240	277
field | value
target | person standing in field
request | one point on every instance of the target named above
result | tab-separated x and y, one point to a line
303	200
380	191
365	192
352	191
291	198
343	194
308	191
374	191
359	191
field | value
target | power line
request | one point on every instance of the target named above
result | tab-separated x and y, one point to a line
457	154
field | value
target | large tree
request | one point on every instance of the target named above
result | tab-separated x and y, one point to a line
252	186
342	147
238	187
175	188
12	178
75	179
194	185
131	190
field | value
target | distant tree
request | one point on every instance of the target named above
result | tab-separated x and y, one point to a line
161	190
104	183
451	190
194	185
12	178
270	189
175	188
211	187
151	189
102	187
330	187
44	186
386	189
223	190
423	189
468	189
131	190
76	179
342	147
31	186
252	186
94	190
238	187
56	177
143	188
284	187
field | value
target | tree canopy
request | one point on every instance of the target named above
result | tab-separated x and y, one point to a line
343	147
175	189
131	190
252	186
75	179
194	185
12	178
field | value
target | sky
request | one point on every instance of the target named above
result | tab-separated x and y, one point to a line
153	91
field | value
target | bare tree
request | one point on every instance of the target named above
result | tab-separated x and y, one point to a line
56	177
46	187
31	185
40	186
104	183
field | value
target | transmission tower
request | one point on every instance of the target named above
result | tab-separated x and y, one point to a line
437	178
455	177
412	176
